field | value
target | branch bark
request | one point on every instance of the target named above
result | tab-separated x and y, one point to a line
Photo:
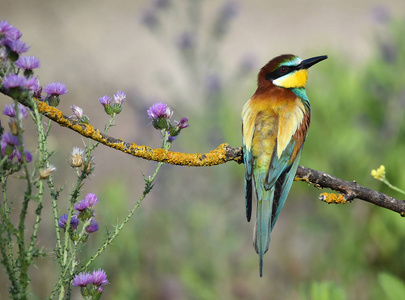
348	190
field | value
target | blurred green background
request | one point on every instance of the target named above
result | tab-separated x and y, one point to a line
190	238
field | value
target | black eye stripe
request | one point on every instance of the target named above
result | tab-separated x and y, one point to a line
278	72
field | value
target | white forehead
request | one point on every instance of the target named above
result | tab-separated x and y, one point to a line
294	62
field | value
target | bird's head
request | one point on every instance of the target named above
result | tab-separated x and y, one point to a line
287	71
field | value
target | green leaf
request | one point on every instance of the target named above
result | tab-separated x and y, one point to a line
393	287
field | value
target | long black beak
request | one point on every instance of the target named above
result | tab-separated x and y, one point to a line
307	63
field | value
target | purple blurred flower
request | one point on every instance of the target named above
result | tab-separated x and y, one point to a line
105	100
213	84
229	9
171	138
91	199
17	46
185	41
74	222
28	156
175	129
9	139
22	111
88	202
381	14
9	110
8	143
99	277
8	31
38	93
161	4
13	81
93	227
82	279
183	123
81	205
119	97
227	12
55	89
149	19
31	84
77	111
159	110
28	63
113	105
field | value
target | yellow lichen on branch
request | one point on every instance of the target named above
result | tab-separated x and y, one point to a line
332	198
214	157
220	155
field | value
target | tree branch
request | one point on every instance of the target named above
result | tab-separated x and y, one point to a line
349	190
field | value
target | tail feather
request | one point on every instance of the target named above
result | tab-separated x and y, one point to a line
248	198
263	221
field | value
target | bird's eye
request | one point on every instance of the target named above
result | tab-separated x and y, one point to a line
283	69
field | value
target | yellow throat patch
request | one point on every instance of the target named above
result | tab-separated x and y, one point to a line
296	79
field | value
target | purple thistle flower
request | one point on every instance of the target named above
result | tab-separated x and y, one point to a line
171	138
22	111
105	100
9	110
28	63
31	84
183	123
81	205
13	81
175	129
55	89
77	111
17	46
38	93
82	279
93	227
159	110
28	156
8	143
91	199
119	97
74	222
8	31
10	139
88	202
113	105
99	277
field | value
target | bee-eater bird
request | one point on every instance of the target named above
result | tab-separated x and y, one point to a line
275	121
